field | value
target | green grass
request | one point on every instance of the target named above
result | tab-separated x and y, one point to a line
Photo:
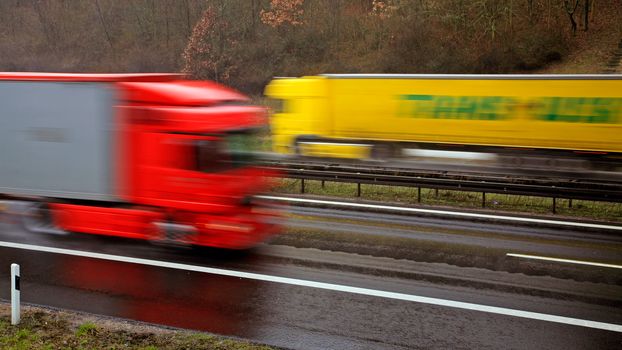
86	329
472	200
21	339
42	329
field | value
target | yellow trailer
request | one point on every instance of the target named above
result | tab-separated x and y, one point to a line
361	116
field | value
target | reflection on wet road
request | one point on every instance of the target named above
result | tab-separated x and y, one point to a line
296	316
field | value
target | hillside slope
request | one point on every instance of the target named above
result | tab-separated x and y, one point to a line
596	51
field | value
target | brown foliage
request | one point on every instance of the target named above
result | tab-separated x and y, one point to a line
383	8
283	12
294	38
245	43
209	53
95	36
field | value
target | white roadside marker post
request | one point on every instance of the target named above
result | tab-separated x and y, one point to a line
15	307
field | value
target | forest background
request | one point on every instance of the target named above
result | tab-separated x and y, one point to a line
244	43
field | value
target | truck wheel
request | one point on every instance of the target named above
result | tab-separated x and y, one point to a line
382	152
37	217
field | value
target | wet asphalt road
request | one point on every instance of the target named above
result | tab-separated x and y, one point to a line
309	318
575	243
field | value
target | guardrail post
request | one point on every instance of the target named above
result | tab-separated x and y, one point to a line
419	194
322	184
554	205
302	185
570	203
15	294
436	192
483	199
358	189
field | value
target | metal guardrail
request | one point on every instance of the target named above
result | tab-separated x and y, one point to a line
568	188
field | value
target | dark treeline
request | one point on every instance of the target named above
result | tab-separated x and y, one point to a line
246	42
96	35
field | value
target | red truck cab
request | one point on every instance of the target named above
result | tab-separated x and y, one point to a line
183	166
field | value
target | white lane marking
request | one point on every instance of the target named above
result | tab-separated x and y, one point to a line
536	257
327	286
443	212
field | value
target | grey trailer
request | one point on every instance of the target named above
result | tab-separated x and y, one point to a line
57	139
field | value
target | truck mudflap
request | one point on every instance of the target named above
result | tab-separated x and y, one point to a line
39	218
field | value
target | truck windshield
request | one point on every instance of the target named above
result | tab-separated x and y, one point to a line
232	150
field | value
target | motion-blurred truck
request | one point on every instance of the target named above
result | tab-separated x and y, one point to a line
146	156
541	120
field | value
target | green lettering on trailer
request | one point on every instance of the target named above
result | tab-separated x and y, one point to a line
594	110
454	107
409	108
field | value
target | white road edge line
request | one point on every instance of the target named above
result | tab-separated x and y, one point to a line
327	286
570	261
443	212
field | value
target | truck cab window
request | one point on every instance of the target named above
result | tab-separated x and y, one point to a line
209	156
243	146
228	151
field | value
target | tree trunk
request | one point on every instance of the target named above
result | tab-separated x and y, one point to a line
586	14
101	18
570	10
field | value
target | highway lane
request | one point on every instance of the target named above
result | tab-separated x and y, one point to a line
459	241
303	317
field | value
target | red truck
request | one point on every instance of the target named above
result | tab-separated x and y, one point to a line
146	156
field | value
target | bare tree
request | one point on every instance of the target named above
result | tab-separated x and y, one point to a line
103	23
570	10
586	14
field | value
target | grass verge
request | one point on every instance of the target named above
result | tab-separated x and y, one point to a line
46	329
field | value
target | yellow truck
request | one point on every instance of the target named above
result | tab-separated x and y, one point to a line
389	115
